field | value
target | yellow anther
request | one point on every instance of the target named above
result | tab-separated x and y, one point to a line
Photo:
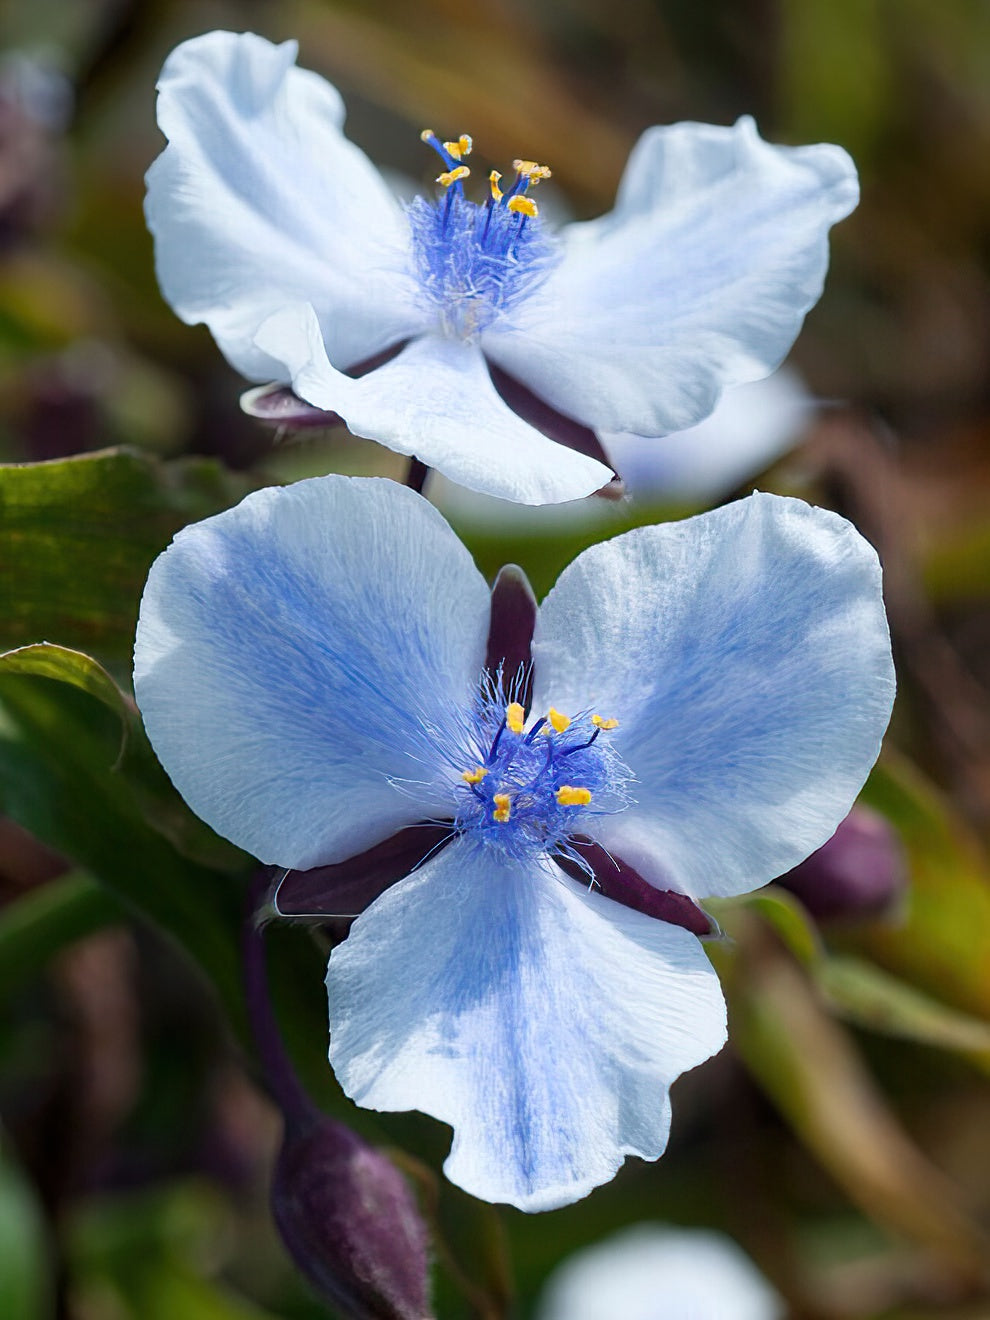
453	176
523	205
599	723
559	722
493	179
515	717
462	147
569	796
427	135
474	776
503	807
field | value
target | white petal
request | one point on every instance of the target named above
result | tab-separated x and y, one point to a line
745	653
542	1021
435	400
698	280
752	425
294	656
652	1272
259	200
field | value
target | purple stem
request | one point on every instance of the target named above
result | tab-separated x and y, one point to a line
284	1084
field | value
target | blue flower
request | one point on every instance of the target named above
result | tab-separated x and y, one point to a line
330	684
462	330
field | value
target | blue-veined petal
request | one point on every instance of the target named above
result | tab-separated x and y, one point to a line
745	654
542	1021
698	280
259	200
297	653
435	400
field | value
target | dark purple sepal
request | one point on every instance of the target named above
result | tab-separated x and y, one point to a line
619	882
544	417
345	889
351	1223
277	405
510	632
860	872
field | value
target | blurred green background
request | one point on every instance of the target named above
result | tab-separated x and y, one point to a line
843	1138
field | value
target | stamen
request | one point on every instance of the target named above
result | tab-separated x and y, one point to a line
569	796
462	147
600	723
503	807
493	182
532	171
515	717
474	776
523	205
560	722
453	176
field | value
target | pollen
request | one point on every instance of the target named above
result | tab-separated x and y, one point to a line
493	182
569	796
600	723
462	147
453	176
515	717
502	804
560	722
523	205
532	171
474	776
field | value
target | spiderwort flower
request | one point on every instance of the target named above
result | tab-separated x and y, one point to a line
461	330
656	1272
318	670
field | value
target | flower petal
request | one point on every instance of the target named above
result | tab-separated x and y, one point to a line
259	200
545	1026
698	280
745	653
752	425
652	1272
295	656
435	400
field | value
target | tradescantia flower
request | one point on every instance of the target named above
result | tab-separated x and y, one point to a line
462	330
533	798
657	1272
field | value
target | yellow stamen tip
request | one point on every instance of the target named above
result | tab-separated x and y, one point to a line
474	776
453	176
560	722
493	180
427	135
503	807
568	796
515	717
462	147
523	205
600	723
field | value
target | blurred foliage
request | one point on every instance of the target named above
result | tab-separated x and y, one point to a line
843	1137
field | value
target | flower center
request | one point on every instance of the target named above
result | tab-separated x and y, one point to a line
473	260
531	789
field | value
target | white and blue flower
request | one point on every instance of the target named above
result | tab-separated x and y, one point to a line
463	331
330	683
658	1272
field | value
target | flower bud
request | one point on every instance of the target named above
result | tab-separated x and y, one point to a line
350	1222
859	873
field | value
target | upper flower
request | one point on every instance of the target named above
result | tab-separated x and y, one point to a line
461	330
329	683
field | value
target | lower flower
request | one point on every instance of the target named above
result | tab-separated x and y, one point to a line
524	805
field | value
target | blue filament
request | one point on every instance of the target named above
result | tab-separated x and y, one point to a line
475	262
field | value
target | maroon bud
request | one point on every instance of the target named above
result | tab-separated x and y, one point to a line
859	873
351	1223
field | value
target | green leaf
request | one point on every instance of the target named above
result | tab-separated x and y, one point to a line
872	998
781	911
24	1256
79	535
48	661
38	925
